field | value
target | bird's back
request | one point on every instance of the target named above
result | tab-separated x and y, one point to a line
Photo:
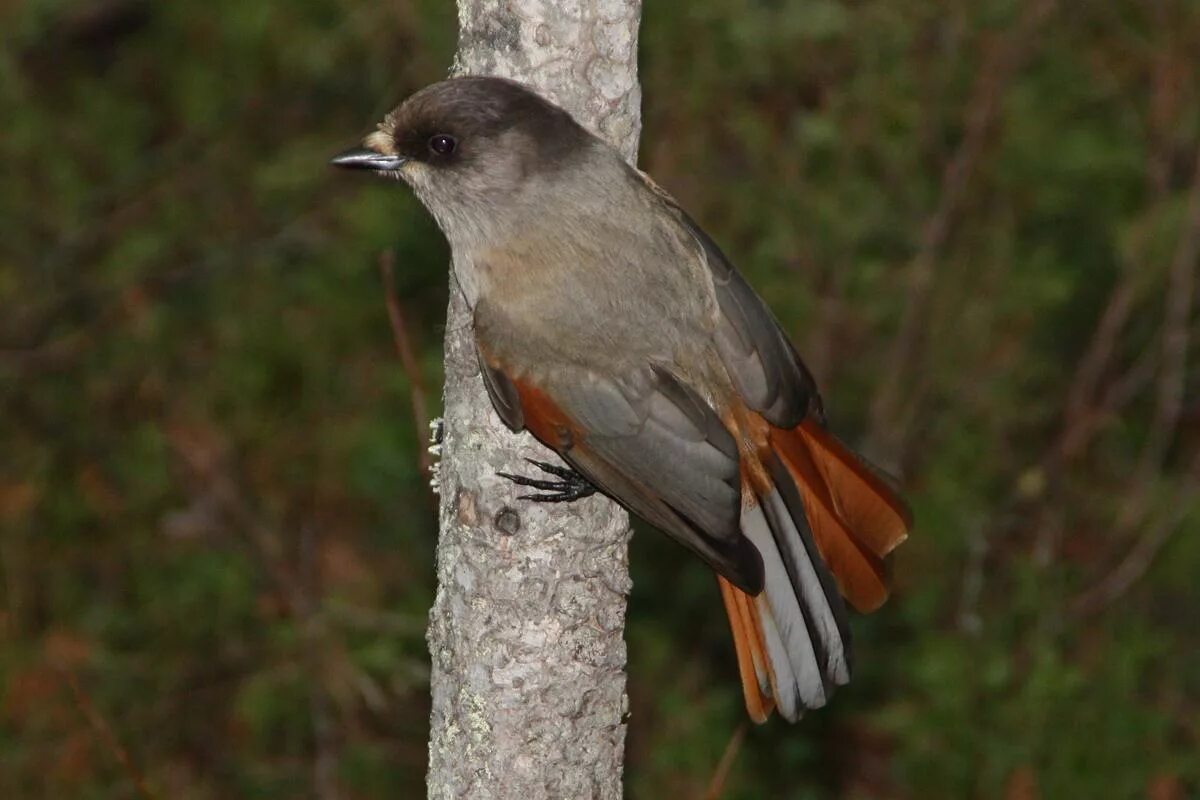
595	287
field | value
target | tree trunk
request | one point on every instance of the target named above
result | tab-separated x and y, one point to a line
526	631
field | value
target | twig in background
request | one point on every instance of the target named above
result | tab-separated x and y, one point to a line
1181	287
717	784
1079	416
104	731
1179	293
1137	561
412	370
894	408
325	756
970	621
1084	417
1172	356
831	312
1177	313
211	465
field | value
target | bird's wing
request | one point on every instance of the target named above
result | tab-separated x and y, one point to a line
771	380
824	516
647	440
765	368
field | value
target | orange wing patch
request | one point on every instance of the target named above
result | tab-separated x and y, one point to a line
545	419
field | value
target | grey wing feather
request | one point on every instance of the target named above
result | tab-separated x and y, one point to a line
765	368
658	448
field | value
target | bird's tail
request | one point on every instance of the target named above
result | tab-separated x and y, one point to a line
823	519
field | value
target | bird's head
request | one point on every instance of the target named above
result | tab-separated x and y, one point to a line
467	145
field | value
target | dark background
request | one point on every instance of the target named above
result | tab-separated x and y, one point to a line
217	541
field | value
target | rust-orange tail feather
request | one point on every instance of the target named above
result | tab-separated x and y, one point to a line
752	660
855	516
823	520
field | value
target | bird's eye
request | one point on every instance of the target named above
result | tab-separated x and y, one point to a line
442	144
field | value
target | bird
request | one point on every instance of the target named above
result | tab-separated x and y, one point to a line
613	329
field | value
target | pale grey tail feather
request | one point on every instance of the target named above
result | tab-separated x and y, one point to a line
793	661
802	614
822	603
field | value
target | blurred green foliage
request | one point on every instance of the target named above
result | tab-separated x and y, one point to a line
214	522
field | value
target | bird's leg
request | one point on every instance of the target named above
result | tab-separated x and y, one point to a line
572	485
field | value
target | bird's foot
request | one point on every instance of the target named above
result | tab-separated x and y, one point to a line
572	485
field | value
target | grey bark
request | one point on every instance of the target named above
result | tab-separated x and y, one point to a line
526	631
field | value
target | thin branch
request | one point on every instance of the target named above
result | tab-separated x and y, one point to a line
266	541
1137	561
1082	425
830	315
408	361
1078	416
299	590
969	619
893	408
104	731
1181	287
372	620
1127	386
717	784
325	759
1180	291
1080	419
1084	416
1164	98
112	310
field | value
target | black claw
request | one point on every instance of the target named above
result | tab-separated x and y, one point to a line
521	480
563	472
573	486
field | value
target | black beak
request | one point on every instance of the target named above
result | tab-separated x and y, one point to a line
362	158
